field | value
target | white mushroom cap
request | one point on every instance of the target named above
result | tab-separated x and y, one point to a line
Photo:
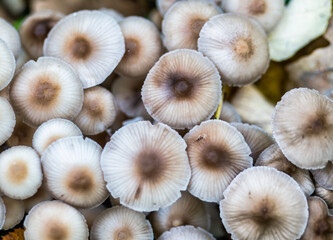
43	194
164	5
72	171
7	63
186	233
325	194
229	113
237	46
90	41
52	220
2	213
267	12
51	131
9	34
46	89
121	223
113	13
183	21
263	203
146	166
7	120
14	212
20	172
303	128
217	153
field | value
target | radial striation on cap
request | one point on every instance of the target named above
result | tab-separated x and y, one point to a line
303	128
324	176
72	170
9	35
237	46
146	166
264	203
217	153
7	63
90	41
186	233
229	113
121	223
55	220
182	89
46	89
7	120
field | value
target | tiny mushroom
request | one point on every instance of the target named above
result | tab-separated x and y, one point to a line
14	212
325	194
229	113
2	213
7	120
7	63
9	34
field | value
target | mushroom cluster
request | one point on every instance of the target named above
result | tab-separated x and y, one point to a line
99	104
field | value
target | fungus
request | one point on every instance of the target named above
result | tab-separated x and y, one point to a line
325	194
90	41
146	166
324	176
7	120
14	212
229	113
182	89
121	223
2	213
113	13
43	194
7	63
22	134
10	36
237	46
164	5
91	214
217	153
186	233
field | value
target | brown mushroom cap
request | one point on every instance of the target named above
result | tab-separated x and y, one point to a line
235	42
303	128
186	233
46	89
273	157
264	203
217	153
182	89
35	28
324	176
146	166
325	194
121	223
55	220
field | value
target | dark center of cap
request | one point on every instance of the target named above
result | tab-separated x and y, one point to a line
149	166
94	107
257	7
45	93
81	48
56	231
243	48
181	86
131	47
321	227
214	157
196	26
17	171
42	28
123	234
264	211
80	180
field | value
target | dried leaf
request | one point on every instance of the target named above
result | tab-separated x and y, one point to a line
17	234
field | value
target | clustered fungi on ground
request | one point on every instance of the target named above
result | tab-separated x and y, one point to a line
110	108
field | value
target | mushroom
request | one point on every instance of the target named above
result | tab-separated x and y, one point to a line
92	213
121	223
229	113
164	5
22	134
113	13
72	170
273	157
7	120
8	64
324	176
182	89
21	172
14	212
90	41
183	22
46	89
264	203
303	128
43	194
235	42
10	36
2	213
186	233
145	166
325	194
217	153
52	220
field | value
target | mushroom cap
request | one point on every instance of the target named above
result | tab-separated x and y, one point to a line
98	112
14	212
266	12
264	203
187	210
51	131
2	213
90	41
20	172
7	120
273	157
9	34
229	113
256	137
43	194
183	21
217	153
235	42
303	128
46	89
325	194
143	46
72	170
113	13
91	214
121	223
182	89
186	233
164	5
146	166
7	63
324	176
52	220
34	30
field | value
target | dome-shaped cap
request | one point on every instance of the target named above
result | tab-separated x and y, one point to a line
72	171
324	176
121	223
43	194
7	63
20	172
229	113
146	166
186	233
2	213
325	194
9	34
237	46
263	203
51	220
217	153
90	41
303	128
7	120
183	21
14	212
46	89
182	89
